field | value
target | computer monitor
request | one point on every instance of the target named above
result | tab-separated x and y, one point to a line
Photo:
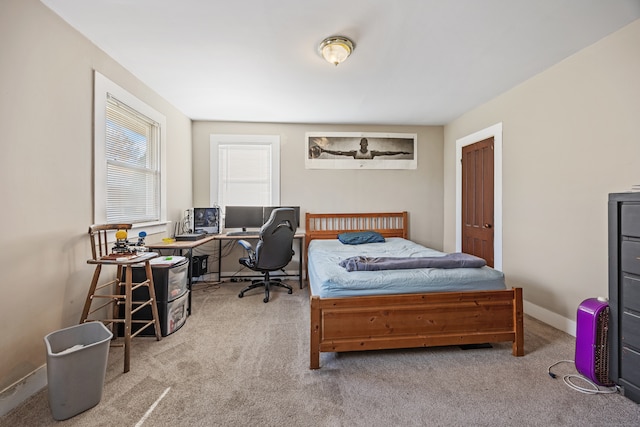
243	217
266	213
206	220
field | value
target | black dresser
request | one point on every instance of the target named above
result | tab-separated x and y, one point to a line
624	292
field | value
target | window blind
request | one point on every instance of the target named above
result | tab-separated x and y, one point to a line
245	175
133	165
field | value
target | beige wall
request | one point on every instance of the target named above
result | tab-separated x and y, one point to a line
46	96
570	137
417	191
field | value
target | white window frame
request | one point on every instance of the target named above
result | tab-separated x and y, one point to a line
225	139
102	88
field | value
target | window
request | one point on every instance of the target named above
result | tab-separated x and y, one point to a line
133	169
245	170
129	138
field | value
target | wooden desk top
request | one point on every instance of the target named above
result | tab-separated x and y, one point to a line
182	244
190	244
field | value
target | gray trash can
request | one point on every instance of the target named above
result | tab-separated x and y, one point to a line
76	366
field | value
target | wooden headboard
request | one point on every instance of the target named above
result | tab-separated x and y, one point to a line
328	226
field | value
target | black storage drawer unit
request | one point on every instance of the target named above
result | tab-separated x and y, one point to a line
170	282
624	292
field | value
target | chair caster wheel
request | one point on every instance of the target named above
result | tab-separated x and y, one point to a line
241	294
290	291
266	300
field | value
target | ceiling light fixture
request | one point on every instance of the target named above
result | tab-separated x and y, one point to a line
336	49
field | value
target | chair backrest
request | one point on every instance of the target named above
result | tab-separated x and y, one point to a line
99	238
274	249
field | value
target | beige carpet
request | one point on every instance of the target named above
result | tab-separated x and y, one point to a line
240	362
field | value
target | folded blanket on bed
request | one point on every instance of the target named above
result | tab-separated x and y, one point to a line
453	260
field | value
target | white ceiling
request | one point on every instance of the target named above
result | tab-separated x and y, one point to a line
416	62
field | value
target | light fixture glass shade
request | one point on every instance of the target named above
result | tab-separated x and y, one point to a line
336	49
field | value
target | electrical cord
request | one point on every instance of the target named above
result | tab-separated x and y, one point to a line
206	286
227	248
570	378
182	226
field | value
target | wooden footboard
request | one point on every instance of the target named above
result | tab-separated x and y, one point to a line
415	320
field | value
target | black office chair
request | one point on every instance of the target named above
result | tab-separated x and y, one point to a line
273	251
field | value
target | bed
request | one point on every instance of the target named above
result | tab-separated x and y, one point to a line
357	320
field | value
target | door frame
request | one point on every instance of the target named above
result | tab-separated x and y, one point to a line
494	131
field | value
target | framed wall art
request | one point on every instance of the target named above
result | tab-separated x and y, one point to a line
361	150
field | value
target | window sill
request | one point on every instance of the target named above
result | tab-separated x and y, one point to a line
150	227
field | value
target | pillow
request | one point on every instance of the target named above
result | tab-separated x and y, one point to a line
360	237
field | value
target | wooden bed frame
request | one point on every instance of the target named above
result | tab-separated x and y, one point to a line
405	320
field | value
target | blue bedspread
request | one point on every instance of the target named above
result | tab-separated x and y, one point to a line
328	279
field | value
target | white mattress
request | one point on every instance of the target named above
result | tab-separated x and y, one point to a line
328	279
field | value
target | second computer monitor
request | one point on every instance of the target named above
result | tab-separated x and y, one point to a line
268	209
243	217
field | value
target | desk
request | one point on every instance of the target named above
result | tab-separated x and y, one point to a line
184	245
188	245
299	236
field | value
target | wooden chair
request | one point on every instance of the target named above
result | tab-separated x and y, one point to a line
120	293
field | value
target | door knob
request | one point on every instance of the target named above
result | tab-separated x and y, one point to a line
487	226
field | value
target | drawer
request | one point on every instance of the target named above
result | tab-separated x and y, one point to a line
629	253
630	330
630	219
631	292
632	391
169	280
177	281
630	366
173	315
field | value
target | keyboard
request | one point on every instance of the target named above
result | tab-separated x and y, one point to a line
190	236
243	233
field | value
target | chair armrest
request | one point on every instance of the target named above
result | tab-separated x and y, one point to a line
249	248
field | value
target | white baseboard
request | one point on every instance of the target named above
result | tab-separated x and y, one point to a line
20	391
550	318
